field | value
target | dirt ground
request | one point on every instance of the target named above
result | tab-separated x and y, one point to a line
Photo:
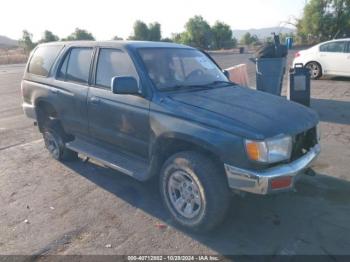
49	207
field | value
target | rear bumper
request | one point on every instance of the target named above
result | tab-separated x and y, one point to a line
260	182
29	110
297	60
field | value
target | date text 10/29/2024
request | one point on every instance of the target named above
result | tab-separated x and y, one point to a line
174	258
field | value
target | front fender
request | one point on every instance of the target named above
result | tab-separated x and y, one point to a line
226	146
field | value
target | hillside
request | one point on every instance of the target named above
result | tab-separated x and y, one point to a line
262	33
7	42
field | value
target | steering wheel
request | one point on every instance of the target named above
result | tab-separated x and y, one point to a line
195	73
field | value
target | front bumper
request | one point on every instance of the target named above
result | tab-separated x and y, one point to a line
259	182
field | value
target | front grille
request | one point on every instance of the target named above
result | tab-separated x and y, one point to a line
302	142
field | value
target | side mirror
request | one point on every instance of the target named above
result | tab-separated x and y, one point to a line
124	85
226	73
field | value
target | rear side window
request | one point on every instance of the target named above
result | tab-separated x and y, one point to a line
111	63
43	59
333	47
76	65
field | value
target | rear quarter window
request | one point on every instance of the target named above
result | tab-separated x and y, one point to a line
333	47
43	59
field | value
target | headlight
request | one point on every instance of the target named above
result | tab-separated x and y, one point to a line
270	150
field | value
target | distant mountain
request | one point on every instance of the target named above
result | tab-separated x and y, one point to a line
262	33
7	42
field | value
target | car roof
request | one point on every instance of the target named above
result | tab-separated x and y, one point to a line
120	44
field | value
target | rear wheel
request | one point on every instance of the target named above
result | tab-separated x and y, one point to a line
315	70
55	138
194	190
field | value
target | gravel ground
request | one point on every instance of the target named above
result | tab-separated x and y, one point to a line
84	208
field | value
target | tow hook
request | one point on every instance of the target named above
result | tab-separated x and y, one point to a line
310	172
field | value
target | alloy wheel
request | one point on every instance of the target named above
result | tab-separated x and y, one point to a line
315	70
184	195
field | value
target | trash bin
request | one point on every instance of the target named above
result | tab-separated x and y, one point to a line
269	74
289	42
241	50
299	85
270	63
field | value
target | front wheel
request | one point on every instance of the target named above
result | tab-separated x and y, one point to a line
315	70
194	190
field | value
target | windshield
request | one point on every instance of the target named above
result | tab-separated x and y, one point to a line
175	68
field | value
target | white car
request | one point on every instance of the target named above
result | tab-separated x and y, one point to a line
328	58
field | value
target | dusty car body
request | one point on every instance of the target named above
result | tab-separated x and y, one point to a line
167	111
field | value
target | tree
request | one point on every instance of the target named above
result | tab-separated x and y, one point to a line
143	32
181	38
117	38
27	41
167	39
80	34
140	31
323	20
222	36
48	36
154	33
248	39
198	32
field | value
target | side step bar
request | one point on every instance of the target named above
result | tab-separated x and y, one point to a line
125	163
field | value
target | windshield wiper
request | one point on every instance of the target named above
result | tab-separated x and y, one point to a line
197	86
174	87
216	82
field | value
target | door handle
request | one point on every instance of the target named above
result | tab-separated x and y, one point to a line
94	100
54	91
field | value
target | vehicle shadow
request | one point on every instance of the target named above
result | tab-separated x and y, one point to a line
336	78
313	220
333	111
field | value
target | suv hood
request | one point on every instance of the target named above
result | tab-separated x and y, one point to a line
243	111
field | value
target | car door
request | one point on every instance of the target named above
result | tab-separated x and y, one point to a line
119	120
333	58
347	60
71	83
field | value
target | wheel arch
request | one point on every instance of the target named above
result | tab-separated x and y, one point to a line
171	143
44	111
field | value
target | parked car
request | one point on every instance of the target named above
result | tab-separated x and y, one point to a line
167	111
328	58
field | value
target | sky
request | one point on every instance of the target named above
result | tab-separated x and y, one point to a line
107	18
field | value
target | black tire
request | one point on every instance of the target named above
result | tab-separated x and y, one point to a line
55	138
315	70
209	179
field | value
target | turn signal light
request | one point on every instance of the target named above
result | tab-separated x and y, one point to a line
281	182
297	54
253	151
